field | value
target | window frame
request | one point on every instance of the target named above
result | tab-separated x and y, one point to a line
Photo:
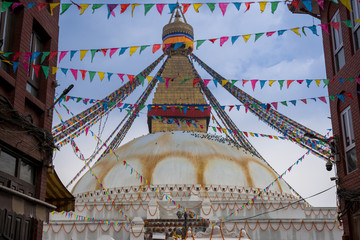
348	130
355	14
340	48
6	35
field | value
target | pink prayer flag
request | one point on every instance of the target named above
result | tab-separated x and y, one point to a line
167	46
15	5
253	83
223	7
26	56
325	27
247	4
323	99
112	51
74	73
16	56
246	108
288	82
156	47
121	76
335	25
26	66
167	82
275	105
269	34
36	69
185	7
223	39
300	81
358	80
62	55
160	7
321	3
206	81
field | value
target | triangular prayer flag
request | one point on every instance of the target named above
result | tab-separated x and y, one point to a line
211	6
253	83
296	31
74	72
237	5
124	7
234	38
269	34
274	6
323	99
307	4
15	65
275	104
54	70
288	82
318	82
112	51
246	37
284	103
93	51
348	23
52	6
133	49
340	96
160	7
347	4
96	6
281	32
111	7
91	75
198	43
258	35
83	72
133	8
156	47
172	7
262	83
262	6
83	7
247	4
197	6
293	102
142	48
64	70
335	25
325	27
62	55
72	53
41	6
147	7
82	54
223	7
185	7
281	82
308	82
64	7
313	30
223	40
271	82
36	70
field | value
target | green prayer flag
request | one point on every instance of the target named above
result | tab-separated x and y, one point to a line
186	79
96	6
5	6
334	1
211	6
274	6
348	23
44	55
284	103
258	35
281	82
91	74
141	78
78	99
141	107
351	79
148	7
198	43
215	108
7	54
46	70
303	30
232	83
142	48
326	82
214	128
332	97
65	7
93	51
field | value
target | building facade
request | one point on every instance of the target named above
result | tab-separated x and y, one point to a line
26	143
342	60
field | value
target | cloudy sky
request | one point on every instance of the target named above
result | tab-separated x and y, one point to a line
276	57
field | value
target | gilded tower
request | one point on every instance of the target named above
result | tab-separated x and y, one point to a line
178	90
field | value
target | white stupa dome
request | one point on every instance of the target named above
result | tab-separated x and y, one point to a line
181	158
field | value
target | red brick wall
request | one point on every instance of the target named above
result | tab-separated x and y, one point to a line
351	69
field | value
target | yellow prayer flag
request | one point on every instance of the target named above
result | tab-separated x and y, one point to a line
149	78
197	6
7	61
276	137
101	75
224	81
262	6
296	31
271	82
357	20
318	81
52	6
83	7
54	70
224	130
347	4
252	134
188	44
82	54
111	152
133	7
246	37
133	49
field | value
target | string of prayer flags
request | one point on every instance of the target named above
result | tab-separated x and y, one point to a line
265	190
13	56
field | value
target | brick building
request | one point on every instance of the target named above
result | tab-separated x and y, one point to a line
26	143
342	59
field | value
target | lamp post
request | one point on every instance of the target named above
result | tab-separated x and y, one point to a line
185	215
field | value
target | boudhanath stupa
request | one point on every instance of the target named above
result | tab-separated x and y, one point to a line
144	188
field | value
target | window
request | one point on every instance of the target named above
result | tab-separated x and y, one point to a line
33	83
349	140
16	167
6	24
337	41
356	15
